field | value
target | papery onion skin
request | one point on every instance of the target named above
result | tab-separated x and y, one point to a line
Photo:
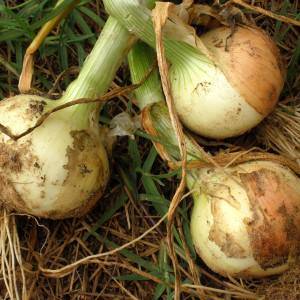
232	95
246	222
57	171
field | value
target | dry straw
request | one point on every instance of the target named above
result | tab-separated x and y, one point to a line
62	262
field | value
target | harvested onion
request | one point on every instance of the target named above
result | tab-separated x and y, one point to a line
232	95
246	221
217	93
61	168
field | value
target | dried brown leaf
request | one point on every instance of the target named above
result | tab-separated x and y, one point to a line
160	15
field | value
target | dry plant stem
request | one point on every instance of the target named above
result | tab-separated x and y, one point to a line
235	286
281	131
160	15
230	159
72	70
266	12
18	255
11	260
133	270
193	268
124	289
249	295
27	69
156	122
61	272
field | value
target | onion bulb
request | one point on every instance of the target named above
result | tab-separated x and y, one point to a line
236	92
61	168
246	221
221	89
58	170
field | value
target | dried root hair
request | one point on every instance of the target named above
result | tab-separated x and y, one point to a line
281	131
11	267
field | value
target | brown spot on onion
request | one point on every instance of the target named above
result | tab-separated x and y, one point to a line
246	221
82	141
227	243
276	224
10	159
9	197
14	157
36	107
252	64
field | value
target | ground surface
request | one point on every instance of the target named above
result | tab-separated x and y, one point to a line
141	185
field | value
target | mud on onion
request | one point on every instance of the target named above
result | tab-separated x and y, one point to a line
246	220
61	168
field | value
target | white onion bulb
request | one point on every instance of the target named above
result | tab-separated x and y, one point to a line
222	88
59	170
236	92
246	222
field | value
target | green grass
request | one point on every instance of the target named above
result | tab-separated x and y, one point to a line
68	47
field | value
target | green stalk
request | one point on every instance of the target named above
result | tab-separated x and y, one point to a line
99	68
102	63
141	59
137	18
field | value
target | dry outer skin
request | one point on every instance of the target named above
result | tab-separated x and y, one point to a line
275	227
225	239
232	91
252	64
275	224
58	170
246	220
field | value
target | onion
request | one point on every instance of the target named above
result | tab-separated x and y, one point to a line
246	222
246	219
217	93
229	98
61	168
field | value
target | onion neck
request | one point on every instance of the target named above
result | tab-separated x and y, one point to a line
99	69
137	19
141	60
158	117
